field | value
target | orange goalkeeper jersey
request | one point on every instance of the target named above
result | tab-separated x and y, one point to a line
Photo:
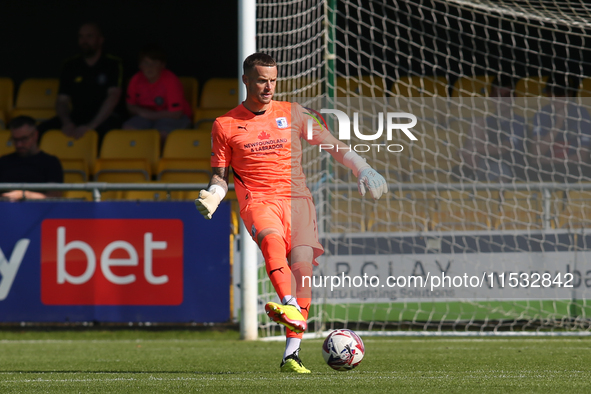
264	151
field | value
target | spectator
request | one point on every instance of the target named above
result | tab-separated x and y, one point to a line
90	88
494	150
155	96
28	164
561	135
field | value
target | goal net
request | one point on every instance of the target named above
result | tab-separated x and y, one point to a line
485	227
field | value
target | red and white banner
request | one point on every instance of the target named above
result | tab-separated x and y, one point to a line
112	262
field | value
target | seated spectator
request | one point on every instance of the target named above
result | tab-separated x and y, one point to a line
494	149
28	164
561	135
90	89
155	96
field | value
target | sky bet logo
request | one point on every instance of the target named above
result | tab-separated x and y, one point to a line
9	267
344	125
111	262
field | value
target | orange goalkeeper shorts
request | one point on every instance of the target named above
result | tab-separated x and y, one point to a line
295	219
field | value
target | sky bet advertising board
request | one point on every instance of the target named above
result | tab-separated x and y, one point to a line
113	262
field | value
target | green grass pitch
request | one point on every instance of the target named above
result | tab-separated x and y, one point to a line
132	361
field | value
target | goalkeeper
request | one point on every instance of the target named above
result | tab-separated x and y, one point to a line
261	140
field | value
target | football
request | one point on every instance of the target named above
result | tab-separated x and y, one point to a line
343	350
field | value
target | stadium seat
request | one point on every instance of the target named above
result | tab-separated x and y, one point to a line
185	152
347	213
77	156
465	211
308	85
218	97
435	155
533	86
423	96
421	86
128	156
577	210
520	210
373	86
36	97
6	145
530	96
472	86
146	195
394	166
401	211
191	88
468	96
182	175
205	125
6	100
585	88
77	195
235	220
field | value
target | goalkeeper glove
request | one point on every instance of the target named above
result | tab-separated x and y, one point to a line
207	203
373	181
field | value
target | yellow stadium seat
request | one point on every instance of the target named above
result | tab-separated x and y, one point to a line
421	86
472	86
77	194
373	86
468	96
207	116
191	88
6	145
187	144
307	85
36	97
218	97
77	156
185	151
423	96
347	213
112	195
531	86
520	210
577	210
180	176
235	218
401	211
204	125
220	93
146	195
585	88
465	211
392	166
128	156
435	154
6	100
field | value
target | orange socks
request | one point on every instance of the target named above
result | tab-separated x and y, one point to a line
273	248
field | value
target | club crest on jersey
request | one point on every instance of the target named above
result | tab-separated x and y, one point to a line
281	122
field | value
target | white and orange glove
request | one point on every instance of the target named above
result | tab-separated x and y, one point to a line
367	177
209	200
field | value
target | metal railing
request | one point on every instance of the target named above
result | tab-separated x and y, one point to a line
545	189
97	187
